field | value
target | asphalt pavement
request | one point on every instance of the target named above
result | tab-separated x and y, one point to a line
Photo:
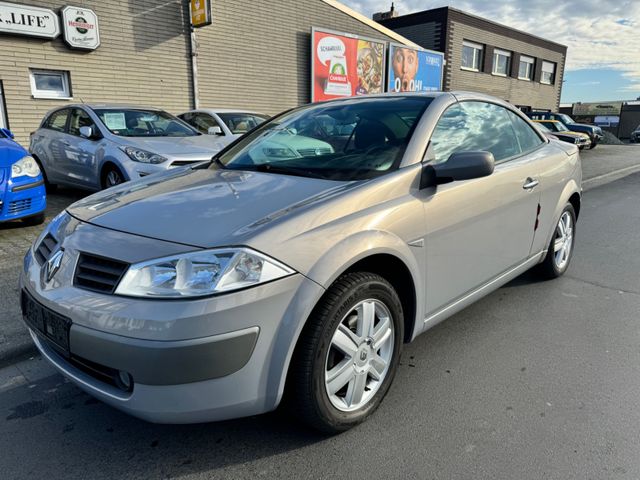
539	380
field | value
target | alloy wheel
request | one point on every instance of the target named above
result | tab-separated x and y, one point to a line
563	242
360	355
113	178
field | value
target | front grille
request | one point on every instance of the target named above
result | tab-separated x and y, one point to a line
181	163
311	152
98	274
18	206
46	247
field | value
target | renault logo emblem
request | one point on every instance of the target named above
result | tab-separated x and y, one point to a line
53	265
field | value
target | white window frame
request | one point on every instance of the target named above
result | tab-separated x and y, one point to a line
529	61
497	52
477	56
551	68
64	94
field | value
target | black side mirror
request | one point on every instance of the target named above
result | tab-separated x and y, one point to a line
459	166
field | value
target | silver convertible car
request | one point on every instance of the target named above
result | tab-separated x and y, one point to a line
271	276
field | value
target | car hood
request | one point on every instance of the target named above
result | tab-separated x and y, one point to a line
204	207
581	127
10	152
198	144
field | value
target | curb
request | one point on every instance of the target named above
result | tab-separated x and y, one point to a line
609	177
15	353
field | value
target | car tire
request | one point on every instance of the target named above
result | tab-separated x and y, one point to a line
34	220
593	145
344	308
111	176
558	258
50	187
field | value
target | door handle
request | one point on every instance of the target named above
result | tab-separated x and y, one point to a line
530	183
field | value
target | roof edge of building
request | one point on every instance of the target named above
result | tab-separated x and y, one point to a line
455	11
477	17
375	25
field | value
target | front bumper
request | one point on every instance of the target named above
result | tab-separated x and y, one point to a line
21	197
190	360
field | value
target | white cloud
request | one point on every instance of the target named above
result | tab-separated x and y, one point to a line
599	34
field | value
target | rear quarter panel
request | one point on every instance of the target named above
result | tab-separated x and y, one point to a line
560	176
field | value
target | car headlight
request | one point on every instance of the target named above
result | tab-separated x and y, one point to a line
200	273
143	156
25	166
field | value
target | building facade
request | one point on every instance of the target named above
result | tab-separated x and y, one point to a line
488	57
254	55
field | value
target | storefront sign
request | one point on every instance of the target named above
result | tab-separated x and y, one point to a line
414	70
345	65
31	21
80	28
200	13
597	108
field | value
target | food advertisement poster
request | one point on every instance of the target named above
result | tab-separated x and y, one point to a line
414	70
345	65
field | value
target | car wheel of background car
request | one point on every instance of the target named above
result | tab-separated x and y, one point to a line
593	145
111	177
561	247
34	219
51	187
348	353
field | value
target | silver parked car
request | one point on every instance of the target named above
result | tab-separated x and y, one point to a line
215	291
227	123
99	146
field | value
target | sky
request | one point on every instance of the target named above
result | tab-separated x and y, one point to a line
602	36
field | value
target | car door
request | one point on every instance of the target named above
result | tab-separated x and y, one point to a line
477	229
47	143
80	153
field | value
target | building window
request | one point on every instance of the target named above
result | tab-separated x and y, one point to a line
548	75
471	56
50	84
525	71
501	62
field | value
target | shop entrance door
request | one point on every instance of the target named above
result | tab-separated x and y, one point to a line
3	113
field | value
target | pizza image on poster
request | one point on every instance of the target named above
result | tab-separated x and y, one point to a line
344	65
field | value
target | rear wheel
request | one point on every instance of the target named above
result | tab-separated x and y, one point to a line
348	353
560	249
111	176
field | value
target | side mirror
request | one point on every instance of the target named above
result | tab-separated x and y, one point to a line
459	166
215	130
7	132
86	132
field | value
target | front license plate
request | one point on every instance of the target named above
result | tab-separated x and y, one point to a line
46	322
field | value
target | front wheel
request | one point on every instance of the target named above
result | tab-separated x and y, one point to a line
111	177
348	353
560	249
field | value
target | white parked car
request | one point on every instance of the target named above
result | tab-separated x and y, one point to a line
227	123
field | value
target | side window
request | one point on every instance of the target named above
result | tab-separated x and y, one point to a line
202	122
474	126
57	120
527	138
79	118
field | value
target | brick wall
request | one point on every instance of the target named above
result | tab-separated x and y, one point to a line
143	59
257	54
519	92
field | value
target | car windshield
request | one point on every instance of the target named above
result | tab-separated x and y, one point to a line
566	118
133	122
240	123
543	127
345	140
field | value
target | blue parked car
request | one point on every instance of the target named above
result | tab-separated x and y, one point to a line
22	191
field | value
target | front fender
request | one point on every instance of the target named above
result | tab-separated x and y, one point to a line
323	273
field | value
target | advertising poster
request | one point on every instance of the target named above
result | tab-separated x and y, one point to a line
414	70
344	65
